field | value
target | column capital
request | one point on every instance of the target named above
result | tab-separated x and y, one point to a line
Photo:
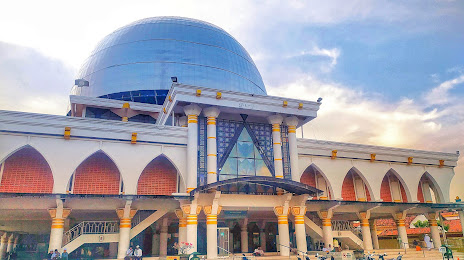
281	210
325	214
122	214
399	216
298	211
292	121
432	215
192	109
59	213
212	210
364	215
211	112
191	209
275	119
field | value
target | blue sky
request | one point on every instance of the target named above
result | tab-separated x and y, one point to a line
390	72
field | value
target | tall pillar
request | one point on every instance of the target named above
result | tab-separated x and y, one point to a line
192	211
211	213
461	218
365	230
327	236
399	218
182	226
432	218
262	235
300	231
292	122
125	223
192	111
3	245
282	224
58	215
155	244
15	244
244	235
163	251
375	238
11	239
211	114
276	121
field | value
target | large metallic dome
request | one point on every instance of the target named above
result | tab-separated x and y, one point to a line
136	62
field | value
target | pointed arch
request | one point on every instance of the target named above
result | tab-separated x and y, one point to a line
355	186
97	174
311	176
386	190
427	185
26	171
159	177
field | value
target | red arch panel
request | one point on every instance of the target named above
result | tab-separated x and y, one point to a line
97	175
26	171
158	178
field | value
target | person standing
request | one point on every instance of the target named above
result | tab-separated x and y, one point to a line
138	253
64	255
428	241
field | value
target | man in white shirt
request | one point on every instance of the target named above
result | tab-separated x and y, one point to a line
138	252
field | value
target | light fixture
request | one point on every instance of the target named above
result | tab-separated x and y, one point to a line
319	100
174	79
81	83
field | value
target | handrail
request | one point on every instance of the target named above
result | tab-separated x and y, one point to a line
90	227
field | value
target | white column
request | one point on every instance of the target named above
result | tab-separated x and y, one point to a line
400	225
211	113
276	121
327	236
9	248
3	245
125	219
164	237
375	238
244	235
292	122
16	242
192	111
300	231
192	211
182	226
56	233
282	225
211	213
461	217
365	230
426	192
432	218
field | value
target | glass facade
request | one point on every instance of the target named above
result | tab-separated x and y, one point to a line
135	60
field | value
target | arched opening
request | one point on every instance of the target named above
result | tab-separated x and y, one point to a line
354	188
97	174
158	178
427	191
313	177
26	171
392	189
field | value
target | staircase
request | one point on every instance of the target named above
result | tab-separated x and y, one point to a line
107	231
343	232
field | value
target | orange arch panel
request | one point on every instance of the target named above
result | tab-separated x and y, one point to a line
26	171
158	178
97	175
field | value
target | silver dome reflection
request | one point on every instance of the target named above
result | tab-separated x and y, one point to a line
136	62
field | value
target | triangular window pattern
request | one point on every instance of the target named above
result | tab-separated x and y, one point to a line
244	160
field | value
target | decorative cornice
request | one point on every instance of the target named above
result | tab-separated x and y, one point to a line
112	103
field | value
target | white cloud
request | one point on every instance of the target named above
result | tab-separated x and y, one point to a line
440	94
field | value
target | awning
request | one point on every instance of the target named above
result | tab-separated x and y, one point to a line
290	186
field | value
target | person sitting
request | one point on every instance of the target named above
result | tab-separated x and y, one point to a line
129	253
56	254
138	253
258	252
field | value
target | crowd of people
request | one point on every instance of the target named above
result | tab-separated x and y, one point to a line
132	254
53	255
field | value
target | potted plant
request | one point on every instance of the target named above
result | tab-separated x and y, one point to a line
182	249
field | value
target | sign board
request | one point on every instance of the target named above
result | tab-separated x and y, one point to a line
235	214
442	249
172	257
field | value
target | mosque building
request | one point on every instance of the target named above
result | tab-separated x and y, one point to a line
171	138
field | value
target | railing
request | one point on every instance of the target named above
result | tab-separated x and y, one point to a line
90	227
140	216
343	225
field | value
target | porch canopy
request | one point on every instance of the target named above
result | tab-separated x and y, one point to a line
290	186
